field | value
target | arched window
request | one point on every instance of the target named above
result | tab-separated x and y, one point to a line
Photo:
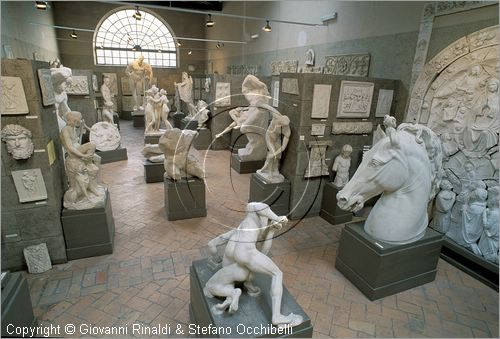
119	38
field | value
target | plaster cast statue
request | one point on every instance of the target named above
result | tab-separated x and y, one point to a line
61	76
107	112
106	91
105	136
341	165
245	254
140	74
473	214
185	90
277	136
18	141
405	166
239	115
82	167
206	84
180	157
488	243
153	153
442	211
164	110
201	113
151	112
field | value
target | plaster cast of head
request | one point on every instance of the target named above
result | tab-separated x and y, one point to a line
18	141
405	166
341	166
244	255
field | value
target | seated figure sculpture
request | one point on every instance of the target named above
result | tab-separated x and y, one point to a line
180	159
81	167
245	255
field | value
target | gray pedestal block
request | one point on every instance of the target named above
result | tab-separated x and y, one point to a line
118	154
153	171
203	140
379	269
277	196
138	118
244	167
116	120
329	209
189	124
151	139
126	115
90	232
253	312
17	309
185	198
238	140
177	117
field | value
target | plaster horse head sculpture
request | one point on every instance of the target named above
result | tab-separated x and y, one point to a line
245	254
405	167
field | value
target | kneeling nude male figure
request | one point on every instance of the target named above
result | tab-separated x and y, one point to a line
246	254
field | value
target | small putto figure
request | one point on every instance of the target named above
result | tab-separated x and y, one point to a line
341	166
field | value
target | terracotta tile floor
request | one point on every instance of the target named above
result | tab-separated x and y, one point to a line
145	280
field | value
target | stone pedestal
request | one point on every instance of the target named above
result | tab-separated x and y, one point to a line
244	167
126	115
203	140
238	140
253	312
329	209
90	232
152	138
116	120
186	123
177	117
185	198
277	196
138	118
118	154
379	269
153	171
17	309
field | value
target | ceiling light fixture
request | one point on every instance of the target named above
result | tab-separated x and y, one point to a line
267	27
190	52
74	35
179	43
210	22
137	15
42	5
136	48
219	44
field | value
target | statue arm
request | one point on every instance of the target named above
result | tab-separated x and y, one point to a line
67	142
265	245
286	137
228	128
219	240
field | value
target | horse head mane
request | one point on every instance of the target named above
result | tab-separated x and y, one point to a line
432	145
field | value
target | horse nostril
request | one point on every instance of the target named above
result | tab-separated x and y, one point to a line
341	199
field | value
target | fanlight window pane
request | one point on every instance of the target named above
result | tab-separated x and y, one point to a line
120	32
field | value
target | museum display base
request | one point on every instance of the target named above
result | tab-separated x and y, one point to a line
329	209
152	138
189	124
89	232
153	171
185	198
276	195
17	309
138	118
203	140
238	140
379	269
253	312
118	154
116	120
476	266
126	115
177	117
244	167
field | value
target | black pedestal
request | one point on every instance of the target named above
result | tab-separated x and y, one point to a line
253	312
138	119
380	269
329	209
153	171
90	232
152	138
244	167
17	309
177	117
126	115
238	140
186	123
116	120
118	154
185	198
203	140
277	196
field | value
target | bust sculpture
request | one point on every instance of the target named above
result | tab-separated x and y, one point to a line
18	141
140	74
245	255
341	166
60	77
442	209
277	136
180	158
81	168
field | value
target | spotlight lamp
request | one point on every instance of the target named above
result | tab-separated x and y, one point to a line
219	44
267	27
42	5
179	43
73	35
210	22
190	52
137	15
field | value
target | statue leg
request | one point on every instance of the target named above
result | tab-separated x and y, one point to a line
252	290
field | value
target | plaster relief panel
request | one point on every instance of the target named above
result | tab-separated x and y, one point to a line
113	86
222	94
363	127
46	87
29	185
289	66
355	99
384	103
79	85
318	129
354	64
321	101
290	86
13	97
